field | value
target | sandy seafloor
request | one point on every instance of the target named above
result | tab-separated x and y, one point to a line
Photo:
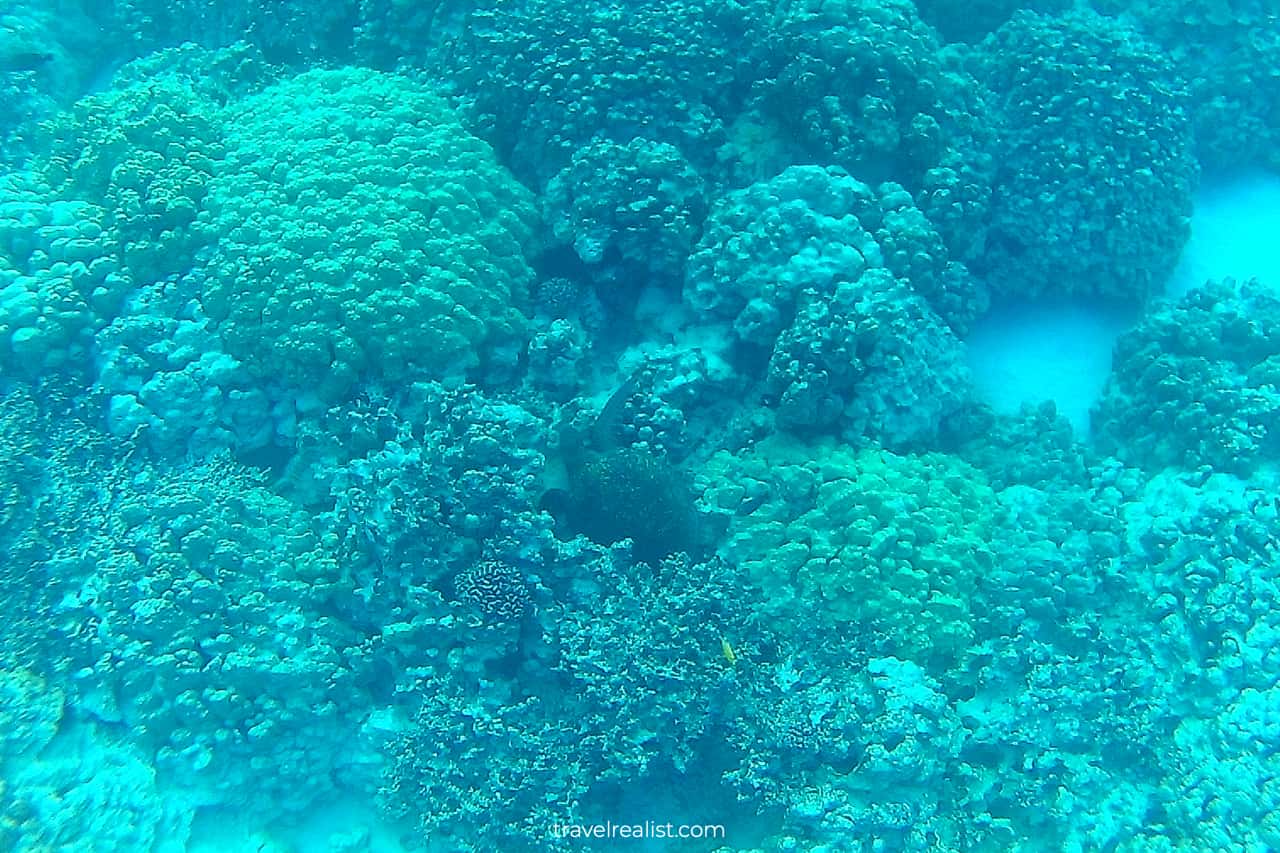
1060	349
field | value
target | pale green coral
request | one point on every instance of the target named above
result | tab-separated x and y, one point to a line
108	202
891	543
144	150
60	277
361	230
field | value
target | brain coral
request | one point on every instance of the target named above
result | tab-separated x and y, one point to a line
1096	163
494	588
361	230
891	543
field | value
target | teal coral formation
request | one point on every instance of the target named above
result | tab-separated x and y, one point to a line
969	21
1096	155
145	150
862	84
666	72
631	212
233	666
787	274
509	414
1227	53
91	790
585	713
361	232
893	544
1195	384
61	279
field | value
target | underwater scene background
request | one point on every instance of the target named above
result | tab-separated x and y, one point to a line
689	425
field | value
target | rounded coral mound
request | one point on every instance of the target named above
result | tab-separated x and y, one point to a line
862	84
835	289
361	231
545	78
1195	383
631	212
106	204
763	245
1228	52
1097	170
891	543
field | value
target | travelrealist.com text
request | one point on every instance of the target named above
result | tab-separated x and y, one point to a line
648	829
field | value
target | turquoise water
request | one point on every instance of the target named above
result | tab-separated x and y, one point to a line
765	425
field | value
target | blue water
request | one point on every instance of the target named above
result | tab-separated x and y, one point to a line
698	426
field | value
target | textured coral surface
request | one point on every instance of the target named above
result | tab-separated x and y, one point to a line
455	425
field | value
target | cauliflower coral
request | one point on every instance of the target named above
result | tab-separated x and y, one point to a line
362	232
893	543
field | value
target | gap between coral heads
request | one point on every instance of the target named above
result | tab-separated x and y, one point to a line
1059	349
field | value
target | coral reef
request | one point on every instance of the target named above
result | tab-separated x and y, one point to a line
1194	384
1097	165
787	272
631	212
665	72
894	544
495	589
633	493
93	791
361	232
60	279
459	418
1226	53
862	84
588	710
209	664
968	21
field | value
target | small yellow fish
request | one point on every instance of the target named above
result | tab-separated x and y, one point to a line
729	654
